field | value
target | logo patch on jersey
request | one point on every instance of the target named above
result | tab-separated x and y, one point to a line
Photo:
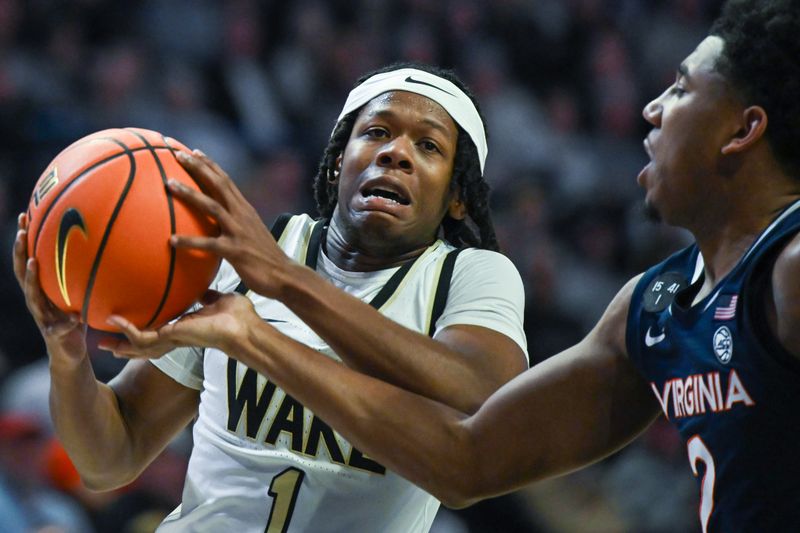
723	344
662	290
652	340
726	307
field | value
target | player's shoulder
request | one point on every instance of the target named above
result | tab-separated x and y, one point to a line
786	295
789	257
484	259
620	304
485	264
612	328
288	226
787	267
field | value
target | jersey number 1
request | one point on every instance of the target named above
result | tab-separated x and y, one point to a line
283	490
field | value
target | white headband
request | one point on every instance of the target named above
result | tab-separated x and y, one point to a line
443	92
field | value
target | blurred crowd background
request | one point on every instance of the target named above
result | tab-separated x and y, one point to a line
258	85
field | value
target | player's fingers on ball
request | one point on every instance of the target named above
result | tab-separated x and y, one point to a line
183	192
206	178
20	256
22	221
120	348
194	167
210	162
109	344
121	354
195	242
222	177
198	200
32	277
137	339
125	350
21	242
126	327
34	296
213	165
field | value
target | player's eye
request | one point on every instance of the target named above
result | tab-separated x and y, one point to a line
677	90
429	146
377	133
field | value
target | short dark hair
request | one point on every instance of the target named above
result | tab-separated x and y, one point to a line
466	172
761	59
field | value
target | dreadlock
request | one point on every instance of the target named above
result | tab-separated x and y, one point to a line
466	173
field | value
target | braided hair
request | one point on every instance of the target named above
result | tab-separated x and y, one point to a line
477	229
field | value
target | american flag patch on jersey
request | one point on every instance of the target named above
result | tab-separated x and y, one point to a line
726	307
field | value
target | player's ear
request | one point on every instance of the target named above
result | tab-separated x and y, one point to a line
457	208
753	127
336	170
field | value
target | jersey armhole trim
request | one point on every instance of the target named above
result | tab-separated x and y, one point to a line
442	289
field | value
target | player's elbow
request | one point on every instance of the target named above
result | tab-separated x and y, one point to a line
458	482
463	490
106	481
108	475
458	499
96	484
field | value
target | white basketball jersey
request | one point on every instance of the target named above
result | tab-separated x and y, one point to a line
262	462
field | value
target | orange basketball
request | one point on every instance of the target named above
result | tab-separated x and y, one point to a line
100	219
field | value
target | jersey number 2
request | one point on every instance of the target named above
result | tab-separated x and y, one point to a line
699	452
283	490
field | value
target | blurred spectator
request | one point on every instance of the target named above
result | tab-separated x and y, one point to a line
27	501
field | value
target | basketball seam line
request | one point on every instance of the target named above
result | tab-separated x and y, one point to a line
109	226
172	251
125	151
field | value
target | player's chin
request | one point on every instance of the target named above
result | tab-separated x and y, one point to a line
650	211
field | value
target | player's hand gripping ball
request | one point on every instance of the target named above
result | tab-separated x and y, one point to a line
100	219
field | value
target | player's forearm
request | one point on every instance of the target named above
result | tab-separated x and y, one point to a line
380	347
420	439
89	424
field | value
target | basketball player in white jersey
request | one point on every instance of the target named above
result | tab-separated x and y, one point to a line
391	280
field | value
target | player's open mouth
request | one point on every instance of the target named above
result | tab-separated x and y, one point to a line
647	148
386	195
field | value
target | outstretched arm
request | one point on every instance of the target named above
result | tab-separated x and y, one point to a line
573	409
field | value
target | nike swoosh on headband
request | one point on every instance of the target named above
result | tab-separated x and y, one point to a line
409	79
455	101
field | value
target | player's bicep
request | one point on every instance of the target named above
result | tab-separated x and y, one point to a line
493	356
786	297
154	406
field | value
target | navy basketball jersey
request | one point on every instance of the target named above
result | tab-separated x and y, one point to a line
725	382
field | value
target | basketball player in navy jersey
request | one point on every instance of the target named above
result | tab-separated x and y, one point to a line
398	278
710	338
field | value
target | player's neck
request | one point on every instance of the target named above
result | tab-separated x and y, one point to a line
723	239
356	256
